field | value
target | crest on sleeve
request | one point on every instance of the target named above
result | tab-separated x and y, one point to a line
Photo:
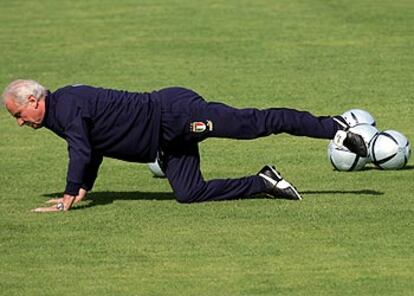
201	126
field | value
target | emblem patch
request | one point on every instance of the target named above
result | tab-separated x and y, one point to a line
200	126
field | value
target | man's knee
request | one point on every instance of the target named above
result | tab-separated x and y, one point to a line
188	195
185	197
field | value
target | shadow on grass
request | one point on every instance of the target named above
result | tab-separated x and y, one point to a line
408	167
108	197
370	168
356	192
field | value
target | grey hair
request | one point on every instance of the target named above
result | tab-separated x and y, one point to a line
19	90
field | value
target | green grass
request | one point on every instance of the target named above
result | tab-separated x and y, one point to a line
351	235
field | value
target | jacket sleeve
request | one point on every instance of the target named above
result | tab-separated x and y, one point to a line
80	155
91	171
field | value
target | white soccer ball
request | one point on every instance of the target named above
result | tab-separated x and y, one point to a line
390	150
344	160
358	116
155	168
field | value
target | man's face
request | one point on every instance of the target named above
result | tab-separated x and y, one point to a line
30	113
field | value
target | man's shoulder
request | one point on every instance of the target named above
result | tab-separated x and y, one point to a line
72	96
75	90
68	100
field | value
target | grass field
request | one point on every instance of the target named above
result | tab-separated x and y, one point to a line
351	235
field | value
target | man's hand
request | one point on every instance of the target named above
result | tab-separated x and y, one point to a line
46	209
79	197
64	205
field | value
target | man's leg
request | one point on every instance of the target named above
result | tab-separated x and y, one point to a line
182	168
228	122
183	108
251	123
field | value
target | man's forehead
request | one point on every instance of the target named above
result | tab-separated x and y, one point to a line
11	106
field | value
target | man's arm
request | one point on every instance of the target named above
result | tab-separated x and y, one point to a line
80	156
61	204
90	176
91	171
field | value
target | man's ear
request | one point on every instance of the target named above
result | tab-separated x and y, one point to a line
33	101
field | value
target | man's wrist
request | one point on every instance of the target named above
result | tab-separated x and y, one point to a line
72	188
67	201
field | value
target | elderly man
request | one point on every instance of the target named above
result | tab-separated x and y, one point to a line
136	127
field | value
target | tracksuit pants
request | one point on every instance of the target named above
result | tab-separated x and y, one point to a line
187	119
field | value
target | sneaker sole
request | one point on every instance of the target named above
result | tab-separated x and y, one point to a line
298	197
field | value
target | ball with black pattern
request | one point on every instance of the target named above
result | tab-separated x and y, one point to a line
390	150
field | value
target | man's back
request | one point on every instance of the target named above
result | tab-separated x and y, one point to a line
118	124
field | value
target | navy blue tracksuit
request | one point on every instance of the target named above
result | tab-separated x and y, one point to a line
99	122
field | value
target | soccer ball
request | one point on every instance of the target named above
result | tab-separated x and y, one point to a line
155	168
344	160
358	116
390	150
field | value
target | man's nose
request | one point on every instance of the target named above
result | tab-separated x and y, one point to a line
20	121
